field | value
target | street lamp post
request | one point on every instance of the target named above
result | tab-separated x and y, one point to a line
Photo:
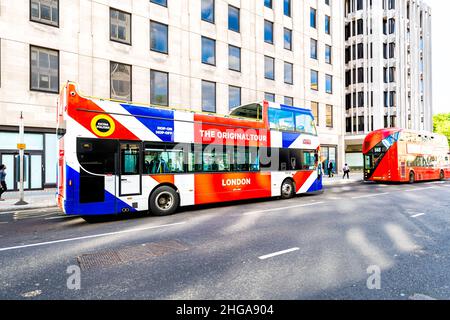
21	146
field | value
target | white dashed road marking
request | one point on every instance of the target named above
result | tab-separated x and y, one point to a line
278	253
371	195
418	215
282	208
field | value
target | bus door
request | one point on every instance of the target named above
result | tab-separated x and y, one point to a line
130	183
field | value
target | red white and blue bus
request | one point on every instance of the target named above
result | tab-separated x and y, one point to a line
117	157
397	155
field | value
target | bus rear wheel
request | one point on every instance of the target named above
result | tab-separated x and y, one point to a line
163	201
412	177
287	189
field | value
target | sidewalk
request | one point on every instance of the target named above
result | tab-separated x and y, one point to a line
36	200
355	177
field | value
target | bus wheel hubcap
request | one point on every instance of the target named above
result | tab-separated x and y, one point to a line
287	189
164	201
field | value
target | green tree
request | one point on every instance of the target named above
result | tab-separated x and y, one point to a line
441	124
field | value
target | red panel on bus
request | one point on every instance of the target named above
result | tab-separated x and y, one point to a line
221	187
300	179
169	178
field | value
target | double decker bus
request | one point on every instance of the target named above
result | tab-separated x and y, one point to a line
399	155
118	157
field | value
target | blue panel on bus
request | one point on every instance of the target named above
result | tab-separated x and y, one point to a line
111	205
159	121
289	138
316	186
294	109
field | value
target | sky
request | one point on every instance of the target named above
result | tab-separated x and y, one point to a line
441	53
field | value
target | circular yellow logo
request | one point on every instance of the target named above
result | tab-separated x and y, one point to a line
103	125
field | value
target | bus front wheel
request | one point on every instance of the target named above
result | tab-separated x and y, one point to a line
287	189
164	201
412	177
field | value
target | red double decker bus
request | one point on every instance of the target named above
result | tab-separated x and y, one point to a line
399	155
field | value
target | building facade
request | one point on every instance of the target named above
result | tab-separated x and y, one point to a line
388	80
208	55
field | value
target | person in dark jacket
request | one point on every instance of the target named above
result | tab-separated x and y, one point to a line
3	187
330	169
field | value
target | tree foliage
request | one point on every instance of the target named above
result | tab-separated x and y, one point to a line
441	124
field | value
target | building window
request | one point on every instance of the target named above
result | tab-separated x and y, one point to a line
287	39
313	18
44	70
120	81
329	116
269	97
268	31
287	8
159	37
160	2
314	80
159	88
328	54
315	111
234	58
288	73
327	24
234	97
328	83
208	10
208	96
233	18
313	49
289	101
208	51
120	25
268	3
45	11
269	68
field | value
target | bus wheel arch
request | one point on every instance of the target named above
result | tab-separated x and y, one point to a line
288	188
412	177
164	200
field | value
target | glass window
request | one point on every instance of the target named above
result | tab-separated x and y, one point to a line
129	159
328	54
315	111
287	8
120	25
234	58
233	18
288	73
327	24
304	123
281	119
160	159
268	3
269	68
234	97
208	96
314	80
120	81
289	101
268	31
208	10
269	97
44	70
51	144
309	160
159	88
313	15
328	83
313	49
97	155
160	2
329	116
45	11
208	51
159	37
287	39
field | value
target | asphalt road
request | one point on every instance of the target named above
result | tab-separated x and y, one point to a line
326	246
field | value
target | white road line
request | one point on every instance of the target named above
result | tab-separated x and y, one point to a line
62	217
282	208
418	215
419	189
90	237
278	253
371	195
3	222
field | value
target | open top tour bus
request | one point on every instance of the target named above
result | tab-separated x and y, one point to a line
399	155
116	157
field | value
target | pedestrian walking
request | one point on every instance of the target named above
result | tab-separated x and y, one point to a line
330	169
3	187
346	170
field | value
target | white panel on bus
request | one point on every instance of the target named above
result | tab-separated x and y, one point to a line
186	186
184	127
276	139
277	178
